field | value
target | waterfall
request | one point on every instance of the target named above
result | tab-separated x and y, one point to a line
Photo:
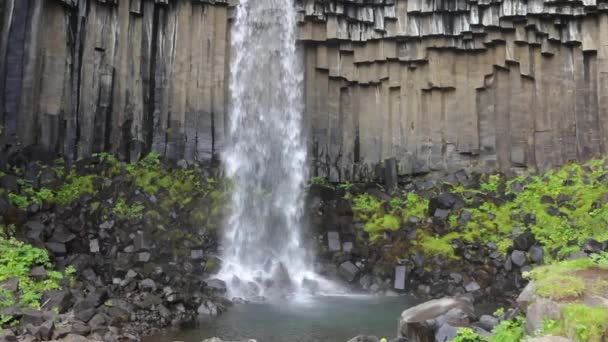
266	156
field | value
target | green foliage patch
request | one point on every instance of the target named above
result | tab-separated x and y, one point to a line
16	261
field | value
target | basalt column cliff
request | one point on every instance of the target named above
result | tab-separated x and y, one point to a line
436	85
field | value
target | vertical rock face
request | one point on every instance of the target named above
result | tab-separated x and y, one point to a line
448	84
436	85
83	76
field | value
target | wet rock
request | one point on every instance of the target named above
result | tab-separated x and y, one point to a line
347	247
208	308
281	280
310	285
413	321
348	271
217	285
333	241
400	278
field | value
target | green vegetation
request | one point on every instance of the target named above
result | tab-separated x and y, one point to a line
562	208
126	212
584	323
467	335
71	190
16	261
561	280
505	331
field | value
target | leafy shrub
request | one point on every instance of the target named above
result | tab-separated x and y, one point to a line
126	212
508	331
16	260
468	335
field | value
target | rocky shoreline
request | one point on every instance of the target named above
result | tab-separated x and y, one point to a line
142	239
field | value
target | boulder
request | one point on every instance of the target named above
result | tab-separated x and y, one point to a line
217	285
333	241
519	258
11	284
400	277
197	254
540	310
348	271
537	254
446	332
57	248
414	325
472	286
524	241
38	273
208	308
592	246
488	322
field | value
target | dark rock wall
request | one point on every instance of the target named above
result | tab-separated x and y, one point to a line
82	76
437	85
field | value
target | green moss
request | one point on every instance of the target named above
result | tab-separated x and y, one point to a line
436	246
560	281
74	188
124	211
382	223
585	323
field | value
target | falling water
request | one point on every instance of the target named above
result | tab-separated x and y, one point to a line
266	155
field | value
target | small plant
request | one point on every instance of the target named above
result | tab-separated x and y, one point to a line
468	335
508	331
16	260
127	212
499	312
585	323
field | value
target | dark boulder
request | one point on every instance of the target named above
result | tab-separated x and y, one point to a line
524	241
592	246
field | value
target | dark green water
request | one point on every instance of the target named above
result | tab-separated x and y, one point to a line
324	319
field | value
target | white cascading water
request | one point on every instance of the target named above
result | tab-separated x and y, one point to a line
266	157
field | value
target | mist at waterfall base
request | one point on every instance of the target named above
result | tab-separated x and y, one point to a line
266	158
